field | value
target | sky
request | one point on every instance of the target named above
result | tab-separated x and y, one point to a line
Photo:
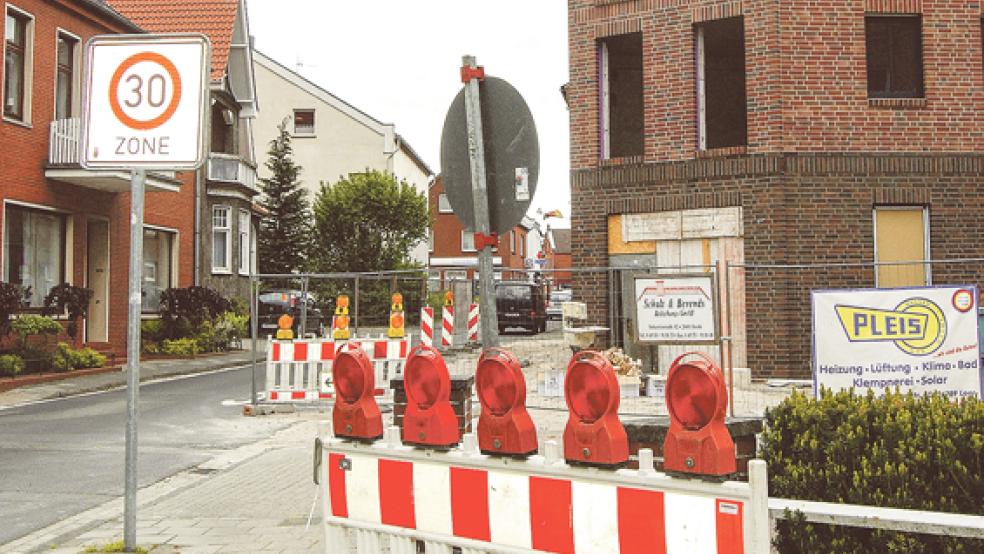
399	62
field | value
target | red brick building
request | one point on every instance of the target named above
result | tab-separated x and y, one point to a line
452	249
557	251
59	222
775	133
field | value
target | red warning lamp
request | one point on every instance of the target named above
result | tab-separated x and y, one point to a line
505	426
355	415
698	441
429	419
594	434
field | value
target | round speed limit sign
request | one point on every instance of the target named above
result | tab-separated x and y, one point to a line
145	102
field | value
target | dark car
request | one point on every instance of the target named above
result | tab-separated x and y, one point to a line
275	303
521	304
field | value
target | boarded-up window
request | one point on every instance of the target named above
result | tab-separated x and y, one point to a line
621	91
901	236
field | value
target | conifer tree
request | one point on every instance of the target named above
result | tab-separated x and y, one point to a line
285	232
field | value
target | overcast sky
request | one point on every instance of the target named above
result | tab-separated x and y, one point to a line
398	61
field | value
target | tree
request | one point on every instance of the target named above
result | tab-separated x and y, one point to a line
368	222
285	232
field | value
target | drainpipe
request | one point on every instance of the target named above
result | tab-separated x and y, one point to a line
199	176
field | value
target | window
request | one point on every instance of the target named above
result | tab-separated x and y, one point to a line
901	235
253	242
721	109
65	88
158	258
621	91
512	242
443	204
303	122
221	239
894	56
16	63
34	250
522	246
467	241
223	130
244	242
430	240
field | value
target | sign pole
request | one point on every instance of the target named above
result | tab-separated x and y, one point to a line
480	201
137	178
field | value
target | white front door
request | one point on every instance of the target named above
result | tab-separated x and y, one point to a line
97	279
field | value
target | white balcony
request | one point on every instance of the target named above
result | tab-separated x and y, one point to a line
63	164
230	168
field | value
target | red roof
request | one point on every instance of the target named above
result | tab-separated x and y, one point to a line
213	18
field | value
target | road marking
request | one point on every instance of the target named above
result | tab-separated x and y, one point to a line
123	387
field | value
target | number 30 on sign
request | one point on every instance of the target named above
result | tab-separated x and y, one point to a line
145	102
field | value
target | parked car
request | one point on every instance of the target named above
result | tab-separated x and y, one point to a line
521	304
275	303
558	297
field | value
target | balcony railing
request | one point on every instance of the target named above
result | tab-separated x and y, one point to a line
63	144
229	168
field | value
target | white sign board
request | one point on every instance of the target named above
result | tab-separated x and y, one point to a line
144	102
922	340
675	309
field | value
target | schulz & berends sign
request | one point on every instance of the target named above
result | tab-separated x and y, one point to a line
676	309
922	340
144	103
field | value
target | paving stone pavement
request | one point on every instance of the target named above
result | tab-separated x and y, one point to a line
254	499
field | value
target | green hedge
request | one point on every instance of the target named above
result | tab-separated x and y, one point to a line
898	451
10	365
66	358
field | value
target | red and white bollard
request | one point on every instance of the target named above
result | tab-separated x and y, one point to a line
473	323
447	327
427	326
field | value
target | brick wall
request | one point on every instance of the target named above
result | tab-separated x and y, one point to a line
24	155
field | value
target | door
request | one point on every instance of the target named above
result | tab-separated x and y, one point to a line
97	279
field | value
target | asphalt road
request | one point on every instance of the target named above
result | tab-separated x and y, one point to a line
60	458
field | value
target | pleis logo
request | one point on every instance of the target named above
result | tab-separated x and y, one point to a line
917	326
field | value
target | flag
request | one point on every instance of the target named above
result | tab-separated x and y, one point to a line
553	213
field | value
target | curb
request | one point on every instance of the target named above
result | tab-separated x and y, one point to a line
18	382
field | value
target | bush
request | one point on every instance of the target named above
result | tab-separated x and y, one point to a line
233	326
66	358
12	299
899	450
27	325
179	347
152	330
11	365
182	310
71	298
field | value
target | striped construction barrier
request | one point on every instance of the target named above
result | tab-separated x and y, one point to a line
427	326
300	370
447	327
389	494
473	323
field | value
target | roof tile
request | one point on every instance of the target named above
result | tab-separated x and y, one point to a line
213	18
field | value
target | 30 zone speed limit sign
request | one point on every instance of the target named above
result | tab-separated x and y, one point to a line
145	102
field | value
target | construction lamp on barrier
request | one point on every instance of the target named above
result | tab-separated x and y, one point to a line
429	419
505	427
698	441
355	415
594	434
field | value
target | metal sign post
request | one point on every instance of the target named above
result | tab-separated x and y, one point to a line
480	203
144	106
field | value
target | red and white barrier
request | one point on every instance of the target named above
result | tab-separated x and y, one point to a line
447	327
473	323
487	504
300	370
427	326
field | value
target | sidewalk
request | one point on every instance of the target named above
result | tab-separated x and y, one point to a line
256	498
149	370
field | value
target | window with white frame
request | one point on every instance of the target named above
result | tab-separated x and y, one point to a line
244	242
66	89
443	204
430	240
158	251
34	250
221	239
253	233
512	242
467	241
304	122
17	64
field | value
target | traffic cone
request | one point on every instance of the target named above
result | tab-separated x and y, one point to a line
340	321
284	331
396	330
